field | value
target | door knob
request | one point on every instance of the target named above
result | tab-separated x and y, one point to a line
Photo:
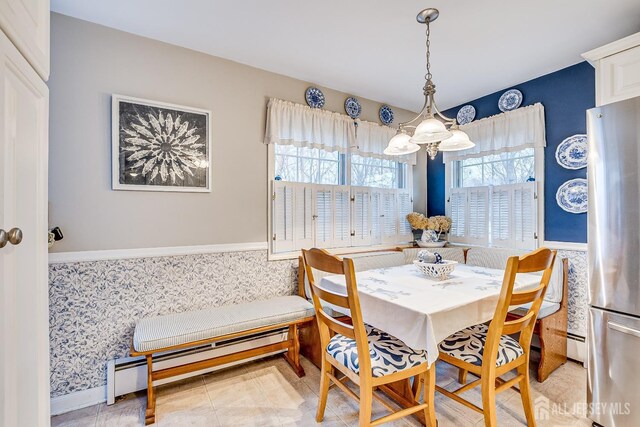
15	236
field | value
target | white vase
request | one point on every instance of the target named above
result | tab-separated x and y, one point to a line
429	236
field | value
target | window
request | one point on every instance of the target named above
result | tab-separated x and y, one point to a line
374	172
316	203
310	165
493	200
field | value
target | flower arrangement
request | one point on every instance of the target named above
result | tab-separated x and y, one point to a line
439	223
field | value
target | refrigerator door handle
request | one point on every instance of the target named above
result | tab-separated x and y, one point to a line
624	329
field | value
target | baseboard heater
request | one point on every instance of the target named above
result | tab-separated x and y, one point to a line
129	374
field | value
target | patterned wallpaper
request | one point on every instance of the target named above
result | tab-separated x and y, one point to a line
578	291
94	305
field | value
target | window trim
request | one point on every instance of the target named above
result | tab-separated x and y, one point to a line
538	156
407	177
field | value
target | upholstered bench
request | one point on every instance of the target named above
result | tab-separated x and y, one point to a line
182	330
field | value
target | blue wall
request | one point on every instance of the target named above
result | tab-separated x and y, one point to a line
566	95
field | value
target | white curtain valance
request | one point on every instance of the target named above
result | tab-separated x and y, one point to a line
296	124
373	138
511	131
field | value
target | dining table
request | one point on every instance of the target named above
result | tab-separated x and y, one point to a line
421	311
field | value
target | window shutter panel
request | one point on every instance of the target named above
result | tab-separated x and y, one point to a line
361	216
405	207
390	218
323	216
376	217
303	216
341	217
501	212
477	215
282	217
525	216
457	209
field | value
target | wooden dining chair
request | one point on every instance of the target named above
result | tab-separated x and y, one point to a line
367	356
488	352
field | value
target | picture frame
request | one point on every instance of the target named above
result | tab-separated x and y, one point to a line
157	146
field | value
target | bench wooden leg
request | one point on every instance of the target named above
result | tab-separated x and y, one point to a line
150	413
553	344
293	353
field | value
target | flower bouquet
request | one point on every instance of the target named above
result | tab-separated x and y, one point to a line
433	228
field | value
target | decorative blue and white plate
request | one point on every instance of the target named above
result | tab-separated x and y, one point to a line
466	114
352	107
314	97
510	100
572	196
386	115
572	152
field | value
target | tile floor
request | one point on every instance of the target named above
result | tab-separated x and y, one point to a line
268	393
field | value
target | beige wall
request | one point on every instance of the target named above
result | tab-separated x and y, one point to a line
91	62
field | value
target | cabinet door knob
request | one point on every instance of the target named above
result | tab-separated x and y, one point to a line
4	238
15	236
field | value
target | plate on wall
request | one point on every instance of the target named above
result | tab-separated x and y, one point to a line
466	114
352	107
510	100
572	152
386	115
572	196
314	97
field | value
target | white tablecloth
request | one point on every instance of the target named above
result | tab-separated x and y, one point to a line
421	311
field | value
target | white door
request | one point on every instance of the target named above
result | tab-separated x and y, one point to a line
24	313
26	23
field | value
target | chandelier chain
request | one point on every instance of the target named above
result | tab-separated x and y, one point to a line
428	76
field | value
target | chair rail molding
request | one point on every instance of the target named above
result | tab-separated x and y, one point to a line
565	246
110	254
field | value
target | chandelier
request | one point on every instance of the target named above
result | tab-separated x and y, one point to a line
434	130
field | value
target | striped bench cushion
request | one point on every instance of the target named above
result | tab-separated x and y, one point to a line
160	332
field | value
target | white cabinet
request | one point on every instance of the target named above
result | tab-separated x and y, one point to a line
26	23
617	69
24	292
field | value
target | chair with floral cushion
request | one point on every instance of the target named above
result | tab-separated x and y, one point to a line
367	356
488	352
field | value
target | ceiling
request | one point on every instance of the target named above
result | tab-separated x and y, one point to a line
375	49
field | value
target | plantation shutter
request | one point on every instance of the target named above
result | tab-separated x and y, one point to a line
390	217
323	216
342	226
501	212
405	207
361	216
376	216
477	218
282	217
303	216
458	209
525	216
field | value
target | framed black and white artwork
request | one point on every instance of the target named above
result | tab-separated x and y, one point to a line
160	147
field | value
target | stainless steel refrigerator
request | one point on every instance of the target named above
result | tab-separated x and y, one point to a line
613	390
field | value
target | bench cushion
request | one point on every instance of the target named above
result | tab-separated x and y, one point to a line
451	254
547	308
497	258
182	328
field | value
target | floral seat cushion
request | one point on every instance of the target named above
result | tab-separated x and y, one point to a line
468	345
388	354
